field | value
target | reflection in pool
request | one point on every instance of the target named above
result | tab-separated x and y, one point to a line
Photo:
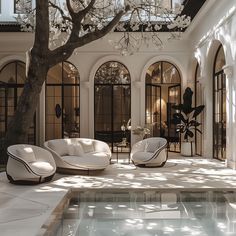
150	213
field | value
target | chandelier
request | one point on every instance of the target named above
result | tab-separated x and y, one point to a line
144	23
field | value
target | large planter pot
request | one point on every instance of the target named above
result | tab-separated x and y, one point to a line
188	149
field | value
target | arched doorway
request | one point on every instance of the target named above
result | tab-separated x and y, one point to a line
62	113
199	118
219	106
163	90
12	80
112	104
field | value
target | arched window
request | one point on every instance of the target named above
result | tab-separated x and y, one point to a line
198	102
163	90
12	79
219	107
62	102
112	104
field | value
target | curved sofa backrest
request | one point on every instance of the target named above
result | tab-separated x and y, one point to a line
39	153
60	146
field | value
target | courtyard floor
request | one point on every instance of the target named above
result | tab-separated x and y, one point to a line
25	210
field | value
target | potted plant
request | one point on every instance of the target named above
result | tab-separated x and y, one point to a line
186	123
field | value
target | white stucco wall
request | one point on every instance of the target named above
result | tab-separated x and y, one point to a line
215	23
217	26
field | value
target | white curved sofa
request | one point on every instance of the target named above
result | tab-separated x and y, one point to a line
79	154
29	164
150	152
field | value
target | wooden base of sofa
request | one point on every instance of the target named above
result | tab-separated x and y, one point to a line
78	171
31	181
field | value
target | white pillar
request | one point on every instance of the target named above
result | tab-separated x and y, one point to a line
136	109
86	110
208	116
40	118
231	116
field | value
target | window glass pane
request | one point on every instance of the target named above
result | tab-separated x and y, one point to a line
153	74
54	75
112	104
162	92
219	130
8	73
162	72
170	73
70	74
112	73
62	102
220	60
20	73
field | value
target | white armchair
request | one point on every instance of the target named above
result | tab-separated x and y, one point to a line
29	164
150	152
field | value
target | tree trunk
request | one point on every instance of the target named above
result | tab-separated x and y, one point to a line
20	123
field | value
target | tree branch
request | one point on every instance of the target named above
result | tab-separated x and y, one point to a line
70	9
64	52
81	14
61	11
41	39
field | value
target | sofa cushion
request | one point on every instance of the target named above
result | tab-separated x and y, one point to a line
87	145
75	150
59	146
26	153
97	154
91	162
41	167
152	146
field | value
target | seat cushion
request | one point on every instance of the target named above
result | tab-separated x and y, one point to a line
41	167
59	146
141	157
26	154
88	161
97	154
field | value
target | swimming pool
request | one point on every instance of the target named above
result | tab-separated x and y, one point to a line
149	213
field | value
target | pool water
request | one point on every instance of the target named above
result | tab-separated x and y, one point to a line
150	213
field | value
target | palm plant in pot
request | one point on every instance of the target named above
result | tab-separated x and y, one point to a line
186	123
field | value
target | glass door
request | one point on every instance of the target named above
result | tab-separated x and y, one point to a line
153	109
112	105
3	107
219	123
173	99
103	111
112	111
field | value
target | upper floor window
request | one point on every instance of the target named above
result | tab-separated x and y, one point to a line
22	6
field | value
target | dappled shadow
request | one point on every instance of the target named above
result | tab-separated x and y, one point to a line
181	174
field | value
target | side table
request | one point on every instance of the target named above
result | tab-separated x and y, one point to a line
121	146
